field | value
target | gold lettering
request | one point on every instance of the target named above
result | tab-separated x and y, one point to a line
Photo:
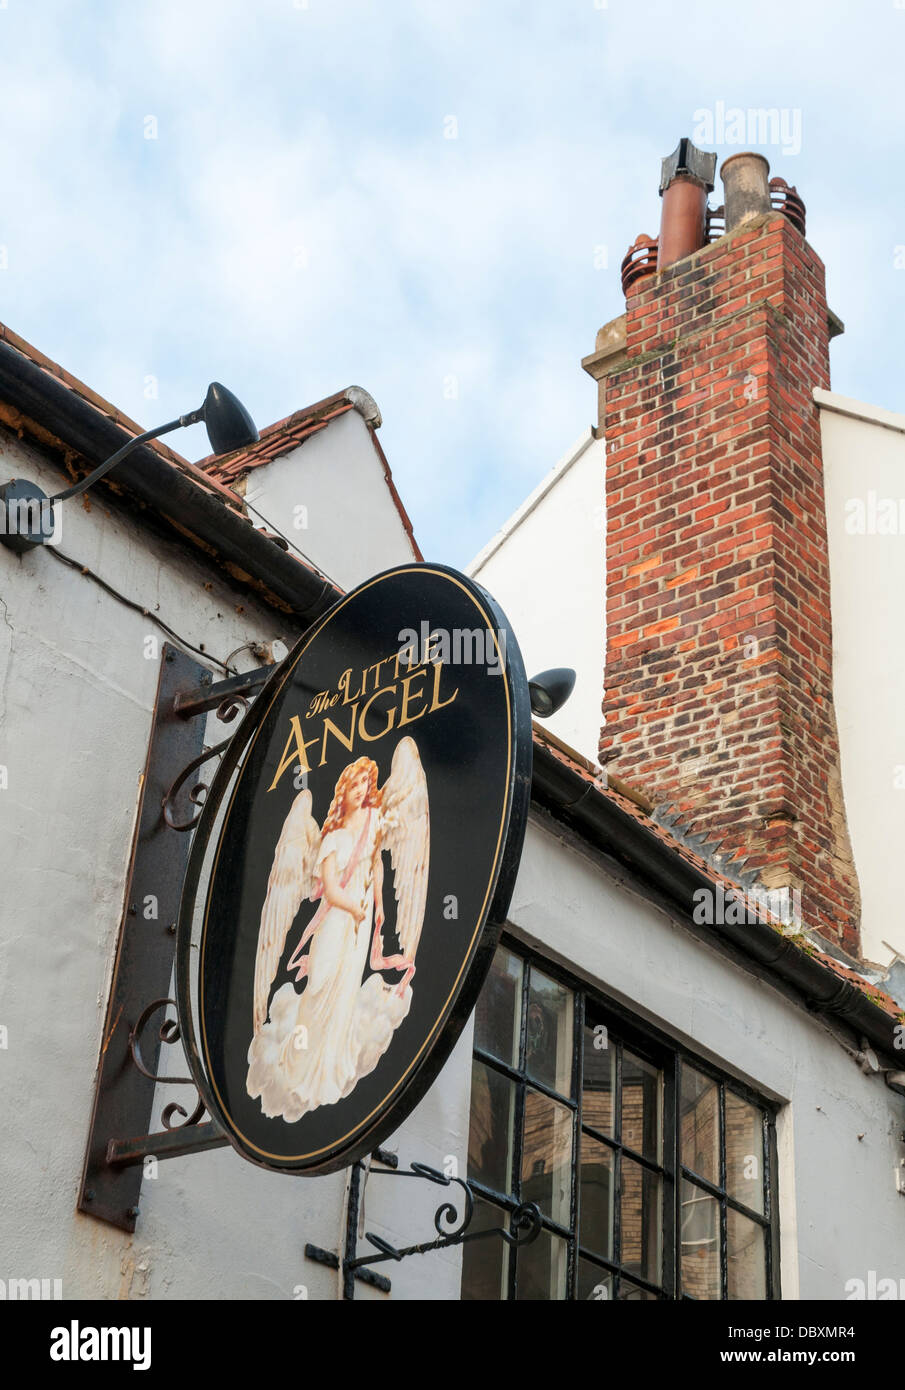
407	718
391	715
294	752
436	702
348	742
344	683
317	704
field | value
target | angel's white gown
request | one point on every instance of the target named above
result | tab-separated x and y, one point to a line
317	1045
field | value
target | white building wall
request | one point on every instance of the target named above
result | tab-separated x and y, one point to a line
329	497
864	466
547	569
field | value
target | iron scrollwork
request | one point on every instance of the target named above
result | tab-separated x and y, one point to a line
524	1226
168	1032
226	713
525	1221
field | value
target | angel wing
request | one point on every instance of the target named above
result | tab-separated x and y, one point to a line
406	834
291	881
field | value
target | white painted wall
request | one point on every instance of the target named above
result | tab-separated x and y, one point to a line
864	453
352	526
547	569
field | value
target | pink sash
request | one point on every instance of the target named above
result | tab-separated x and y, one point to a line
299	962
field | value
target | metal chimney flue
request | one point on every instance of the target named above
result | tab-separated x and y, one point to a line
686	177
746	184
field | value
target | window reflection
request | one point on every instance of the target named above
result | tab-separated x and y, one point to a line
547	1157
549	1033
699	1124
491	1130
599	1080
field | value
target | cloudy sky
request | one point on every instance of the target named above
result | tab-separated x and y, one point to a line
428	198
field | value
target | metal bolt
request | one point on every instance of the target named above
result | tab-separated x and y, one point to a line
206	678
133	1212
89	1194
171	655
172	929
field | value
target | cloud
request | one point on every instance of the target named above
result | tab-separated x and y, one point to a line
302	219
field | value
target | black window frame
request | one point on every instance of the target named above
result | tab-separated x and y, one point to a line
653	1045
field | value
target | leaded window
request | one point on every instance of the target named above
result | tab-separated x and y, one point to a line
653	1172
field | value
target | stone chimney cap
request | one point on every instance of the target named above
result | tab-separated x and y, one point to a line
686	158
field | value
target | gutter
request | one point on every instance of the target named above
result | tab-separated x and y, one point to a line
211	526
601	823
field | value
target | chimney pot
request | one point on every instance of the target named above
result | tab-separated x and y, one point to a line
686	177
746	182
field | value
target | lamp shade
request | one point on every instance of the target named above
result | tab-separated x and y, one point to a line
229	425
550	690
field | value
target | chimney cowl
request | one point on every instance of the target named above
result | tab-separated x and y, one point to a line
690	162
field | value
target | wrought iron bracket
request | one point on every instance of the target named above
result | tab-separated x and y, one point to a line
127	1075
524	1227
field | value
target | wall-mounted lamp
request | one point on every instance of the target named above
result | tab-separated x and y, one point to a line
550	690
26	513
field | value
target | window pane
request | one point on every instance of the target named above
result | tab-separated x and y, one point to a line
490	1135
641	1106
593	1282
700	1248
745	1152
484	1262
746	1261
547	1157
599	1079
640	1214
629	1291
498	1011
699	1125
542	1268
596	1228
549	1040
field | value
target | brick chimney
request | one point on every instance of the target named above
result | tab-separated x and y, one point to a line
718	699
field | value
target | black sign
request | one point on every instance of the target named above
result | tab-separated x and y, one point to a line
369	818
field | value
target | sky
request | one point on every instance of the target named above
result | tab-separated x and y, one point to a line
426	198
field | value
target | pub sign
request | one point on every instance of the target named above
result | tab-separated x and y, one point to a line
352	869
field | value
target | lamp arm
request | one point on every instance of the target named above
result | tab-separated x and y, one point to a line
78	488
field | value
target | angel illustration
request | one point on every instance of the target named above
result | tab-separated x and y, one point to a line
311	1048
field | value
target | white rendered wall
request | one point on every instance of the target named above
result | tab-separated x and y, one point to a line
864	453
547	569
335	485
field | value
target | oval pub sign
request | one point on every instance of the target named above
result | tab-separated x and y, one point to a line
358	850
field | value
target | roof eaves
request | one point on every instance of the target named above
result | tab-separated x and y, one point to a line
790	958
